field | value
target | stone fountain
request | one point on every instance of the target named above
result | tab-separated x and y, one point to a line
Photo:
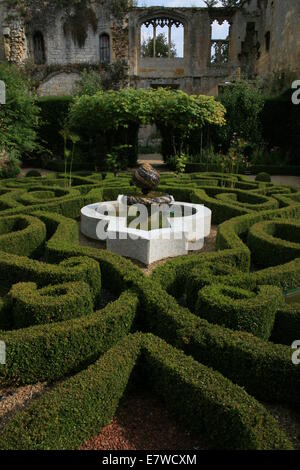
150	227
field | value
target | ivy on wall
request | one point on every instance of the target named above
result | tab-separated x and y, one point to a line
79	15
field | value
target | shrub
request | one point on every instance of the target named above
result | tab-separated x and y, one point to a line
32	306
274	242
50	352
280	125
263	177
240	309
231	418
20	116
243	103
52	421
33	174
287	324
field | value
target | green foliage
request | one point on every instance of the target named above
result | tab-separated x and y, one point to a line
19	117
161	47
9	164
240	309
243	103
97	392
90	83
87	352
90	398
274	242
32	306
263	177
118	160
54	111
33	174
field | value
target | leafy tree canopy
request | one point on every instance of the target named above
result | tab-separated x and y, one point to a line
19	117
161	47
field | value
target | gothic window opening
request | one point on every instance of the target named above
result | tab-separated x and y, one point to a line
220	33
162	38
104	49
39	48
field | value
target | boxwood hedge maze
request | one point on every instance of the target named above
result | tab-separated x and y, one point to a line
209	333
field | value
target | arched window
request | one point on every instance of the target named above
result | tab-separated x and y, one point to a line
162	37
39	48
220	32
104	49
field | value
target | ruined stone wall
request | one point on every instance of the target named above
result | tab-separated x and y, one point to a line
194	73
61	48
280	18
252	53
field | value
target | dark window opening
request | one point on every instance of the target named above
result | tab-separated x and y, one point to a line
268	41
104	49
39	48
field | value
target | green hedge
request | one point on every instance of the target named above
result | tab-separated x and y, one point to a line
76	409
232	419
33	306
287	325
49	352
247	360
205	401
22	235
274	242
240	309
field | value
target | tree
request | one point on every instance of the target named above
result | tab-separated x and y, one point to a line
19	117
244	103
161	47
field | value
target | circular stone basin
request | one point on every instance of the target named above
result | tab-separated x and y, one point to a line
131	231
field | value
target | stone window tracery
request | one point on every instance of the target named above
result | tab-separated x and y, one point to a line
220	32
162	37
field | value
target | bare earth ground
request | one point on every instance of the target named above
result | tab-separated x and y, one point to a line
142	423
293	181
13	399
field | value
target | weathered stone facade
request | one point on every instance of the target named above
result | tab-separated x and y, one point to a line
264	40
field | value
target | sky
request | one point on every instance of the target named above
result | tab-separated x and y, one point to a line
177	34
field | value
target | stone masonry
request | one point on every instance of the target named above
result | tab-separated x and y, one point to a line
264	42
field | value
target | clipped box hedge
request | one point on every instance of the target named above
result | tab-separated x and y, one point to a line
240	309
231	418
33	306
274	242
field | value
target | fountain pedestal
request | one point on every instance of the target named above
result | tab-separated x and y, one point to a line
183	234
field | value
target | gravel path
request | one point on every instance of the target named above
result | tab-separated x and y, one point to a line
14	399
142	423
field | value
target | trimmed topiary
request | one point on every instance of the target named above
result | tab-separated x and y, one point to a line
33	306
33	174
241	309
263	178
